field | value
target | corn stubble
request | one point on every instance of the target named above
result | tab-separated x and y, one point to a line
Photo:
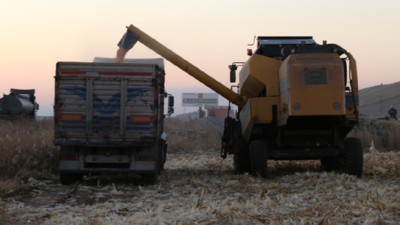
26	149
198	187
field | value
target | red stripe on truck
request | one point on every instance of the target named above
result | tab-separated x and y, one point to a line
106	73
125	74
69	157
73	73
71	117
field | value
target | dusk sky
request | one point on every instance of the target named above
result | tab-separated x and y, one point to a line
210	34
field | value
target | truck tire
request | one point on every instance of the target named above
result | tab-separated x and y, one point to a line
330	164
70	178
258	158
149	178
241	155
354	157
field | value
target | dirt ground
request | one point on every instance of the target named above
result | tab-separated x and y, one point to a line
199	188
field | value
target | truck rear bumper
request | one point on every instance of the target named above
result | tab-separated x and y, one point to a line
76	167
111	159
101	143
304	153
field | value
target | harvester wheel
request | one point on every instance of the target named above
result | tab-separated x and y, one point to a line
163	154
241	162
354	157
258	158
159	160
70	178
241	155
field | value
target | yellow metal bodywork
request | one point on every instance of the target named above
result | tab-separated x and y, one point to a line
259	72
353	113
188	67
257	111
266	82
289	88
319	93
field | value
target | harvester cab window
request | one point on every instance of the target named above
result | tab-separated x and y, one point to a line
281	47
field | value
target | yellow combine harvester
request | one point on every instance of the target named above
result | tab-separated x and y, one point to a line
297	100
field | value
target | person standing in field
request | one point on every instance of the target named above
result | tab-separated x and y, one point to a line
392	113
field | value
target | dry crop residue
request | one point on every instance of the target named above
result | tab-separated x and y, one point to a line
199	188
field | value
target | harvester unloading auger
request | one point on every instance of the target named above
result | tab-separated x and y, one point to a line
297	100
133	34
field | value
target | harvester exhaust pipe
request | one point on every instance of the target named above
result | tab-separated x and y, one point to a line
134	34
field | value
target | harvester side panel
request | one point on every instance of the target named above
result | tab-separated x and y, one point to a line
352	98
257	111
259	73
312	85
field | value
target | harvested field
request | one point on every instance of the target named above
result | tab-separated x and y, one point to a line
199	188
196	187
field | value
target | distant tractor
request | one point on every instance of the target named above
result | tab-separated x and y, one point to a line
297	100
19	104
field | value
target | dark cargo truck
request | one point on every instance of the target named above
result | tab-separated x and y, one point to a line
19	104
108	117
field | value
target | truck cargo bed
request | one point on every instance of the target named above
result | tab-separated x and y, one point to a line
99	104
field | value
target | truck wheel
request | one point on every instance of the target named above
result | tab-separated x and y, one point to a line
149	178
241	155
258	158
354	157
329	164
70	178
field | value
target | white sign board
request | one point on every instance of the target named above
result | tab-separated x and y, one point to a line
199	99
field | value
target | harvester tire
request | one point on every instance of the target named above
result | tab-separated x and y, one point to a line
258	158
70	178
159	159
163	154
241	162
354	157
241	155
